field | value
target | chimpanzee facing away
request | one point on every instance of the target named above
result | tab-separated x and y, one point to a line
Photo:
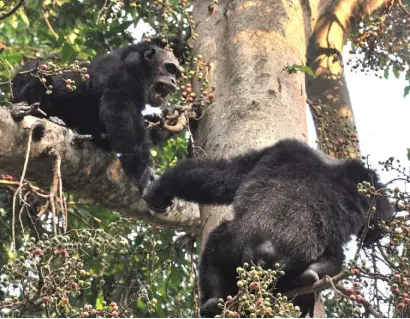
292	206
120	85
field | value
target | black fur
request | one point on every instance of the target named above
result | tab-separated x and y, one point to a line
110	102
292	206
179	45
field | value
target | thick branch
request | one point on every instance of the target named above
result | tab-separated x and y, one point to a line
86	170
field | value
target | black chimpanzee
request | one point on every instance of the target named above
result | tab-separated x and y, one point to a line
178	44
292	206
120	84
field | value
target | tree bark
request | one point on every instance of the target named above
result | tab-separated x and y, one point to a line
248	44
86	171
324	56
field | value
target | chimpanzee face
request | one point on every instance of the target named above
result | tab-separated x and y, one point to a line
165	72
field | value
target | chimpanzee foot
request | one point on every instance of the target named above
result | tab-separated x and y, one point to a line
21	109
79	138
56	120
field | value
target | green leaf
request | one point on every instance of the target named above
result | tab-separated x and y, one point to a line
306	69
408	153
396	72
406	91
68	53
386	73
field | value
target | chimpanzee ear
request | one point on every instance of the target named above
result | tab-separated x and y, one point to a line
149	54
132	59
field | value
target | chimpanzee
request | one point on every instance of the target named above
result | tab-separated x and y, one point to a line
178	44
110	102
292	206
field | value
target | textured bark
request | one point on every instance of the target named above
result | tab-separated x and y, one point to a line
325	55
248	43
86	170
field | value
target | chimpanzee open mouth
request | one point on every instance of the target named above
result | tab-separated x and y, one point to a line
163	89
159	91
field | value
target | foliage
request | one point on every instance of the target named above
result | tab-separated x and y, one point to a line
381	43
256	297
146	270
334	135
302	68
167	155
110	266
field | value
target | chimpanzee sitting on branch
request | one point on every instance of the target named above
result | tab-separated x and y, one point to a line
109	102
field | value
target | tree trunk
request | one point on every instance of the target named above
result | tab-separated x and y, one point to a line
248	44
324	56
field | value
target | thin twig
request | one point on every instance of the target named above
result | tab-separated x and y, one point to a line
50	27
6	182
63	203
384	255
365	303
18	191
324	283
30	217
21	211
375	282
34	68
331	282
12	10
55	185
196	283
313	107
44	209
364	232
401	5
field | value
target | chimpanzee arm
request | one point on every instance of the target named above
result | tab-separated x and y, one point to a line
203	181
124	125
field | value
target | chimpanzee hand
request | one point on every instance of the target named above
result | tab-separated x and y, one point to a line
155	198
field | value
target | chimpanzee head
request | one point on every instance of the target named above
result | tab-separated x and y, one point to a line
356	172
164	72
